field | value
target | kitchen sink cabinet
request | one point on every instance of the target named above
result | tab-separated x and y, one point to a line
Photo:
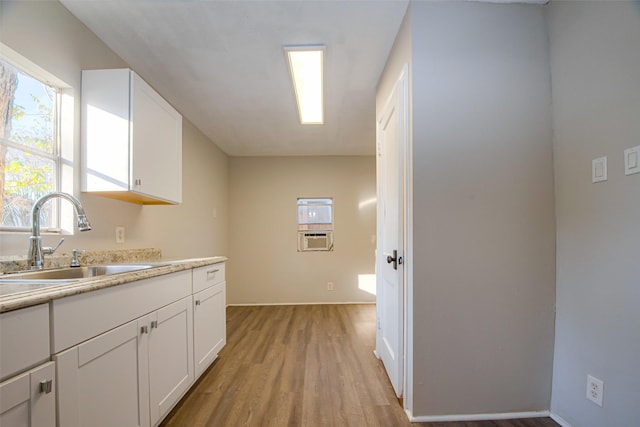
131	139
29	399
104	381
129	376
121	355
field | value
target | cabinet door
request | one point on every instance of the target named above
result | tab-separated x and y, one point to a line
209	325
23	403
170	356
103	381
156	135
105	130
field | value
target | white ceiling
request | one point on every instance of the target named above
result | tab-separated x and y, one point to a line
221	64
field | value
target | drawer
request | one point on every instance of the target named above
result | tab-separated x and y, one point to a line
207	276
24	339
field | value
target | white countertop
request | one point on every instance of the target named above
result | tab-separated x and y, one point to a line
25	294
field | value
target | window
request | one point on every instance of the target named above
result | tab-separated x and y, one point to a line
29	147
315	225
315	214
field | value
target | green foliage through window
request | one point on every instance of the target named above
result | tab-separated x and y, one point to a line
29	156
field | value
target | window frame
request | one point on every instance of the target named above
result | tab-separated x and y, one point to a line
60	89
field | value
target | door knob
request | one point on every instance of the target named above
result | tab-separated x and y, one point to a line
393	259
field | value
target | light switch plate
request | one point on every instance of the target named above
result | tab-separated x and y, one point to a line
599	169
632	160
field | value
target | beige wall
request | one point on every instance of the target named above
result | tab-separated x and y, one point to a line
48	35
483	232
264	265
595	65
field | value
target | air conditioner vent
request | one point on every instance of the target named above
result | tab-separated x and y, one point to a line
315	241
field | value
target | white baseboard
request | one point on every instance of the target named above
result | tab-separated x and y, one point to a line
557	418
300	303
476	417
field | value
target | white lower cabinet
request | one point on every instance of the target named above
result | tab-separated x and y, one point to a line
125	355
209	325
29	399
130	376
170	356
103	381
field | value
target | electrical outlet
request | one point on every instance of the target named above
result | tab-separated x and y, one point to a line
329	286
595	390
119	234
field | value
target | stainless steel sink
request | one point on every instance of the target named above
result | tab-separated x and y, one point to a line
71	273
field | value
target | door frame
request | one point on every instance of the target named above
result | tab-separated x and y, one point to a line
407	176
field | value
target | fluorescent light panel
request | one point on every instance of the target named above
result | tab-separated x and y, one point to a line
306	69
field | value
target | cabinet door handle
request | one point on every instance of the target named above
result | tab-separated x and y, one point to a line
46	386
144	329
197	302
154	324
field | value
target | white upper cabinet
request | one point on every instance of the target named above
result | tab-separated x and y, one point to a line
131	139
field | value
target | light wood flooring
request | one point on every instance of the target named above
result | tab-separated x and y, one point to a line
306	365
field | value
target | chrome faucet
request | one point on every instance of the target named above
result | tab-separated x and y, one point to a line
35	257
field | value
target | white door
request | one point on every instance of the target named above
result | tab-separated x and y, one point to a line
392	140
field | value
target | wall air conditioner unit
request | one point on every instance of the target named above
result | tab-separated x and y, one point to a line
315	241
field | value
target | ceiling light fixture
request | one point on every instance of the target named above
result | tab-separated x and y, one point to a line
306	65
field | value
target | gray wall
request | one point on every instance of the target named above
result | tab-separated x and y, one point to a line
595	64
48	35
483	236
264	265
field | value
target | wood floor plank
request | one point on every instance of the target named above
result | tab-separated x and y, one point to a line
308	365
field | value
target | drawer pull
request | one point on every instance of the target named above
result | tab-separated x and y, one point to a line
46	386
212	273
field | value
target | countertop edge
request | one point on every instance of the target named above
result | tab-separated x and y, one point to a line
41	296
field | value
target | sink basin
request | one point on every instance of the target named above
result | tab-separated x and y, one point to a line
71	273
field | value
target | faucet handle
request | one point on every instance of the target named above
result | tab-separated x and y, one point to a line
48	250
74	258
